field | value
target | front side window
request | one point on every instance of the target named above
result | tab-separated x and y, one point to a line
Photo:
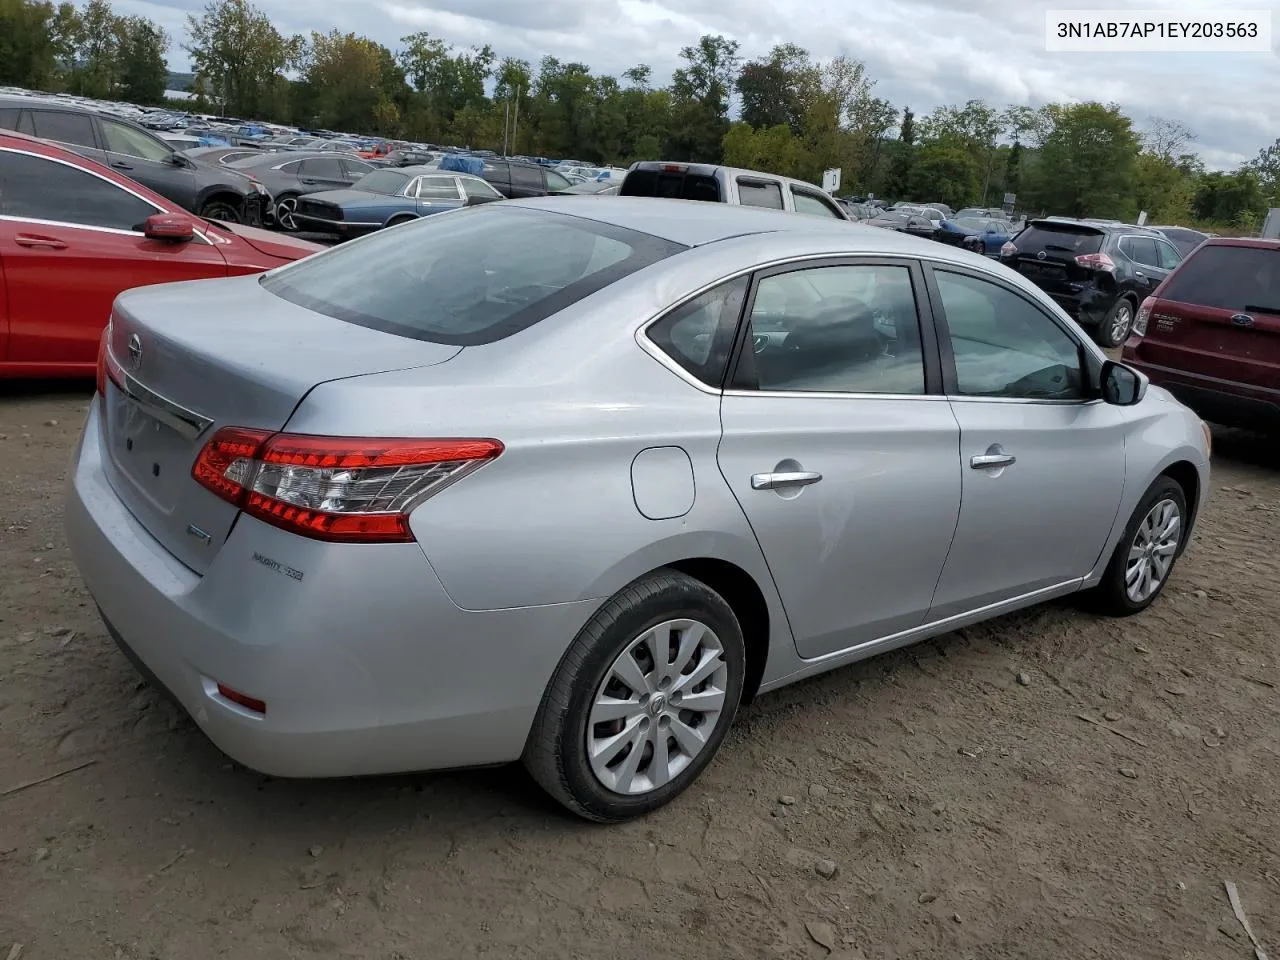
1168	254
43	189
808	203
837	329
1006	347
557	182
527	177
698	334
323	168
64	127
134	143
469	276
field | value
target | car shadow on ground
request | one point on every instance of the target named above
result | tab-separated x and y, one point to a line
1246	447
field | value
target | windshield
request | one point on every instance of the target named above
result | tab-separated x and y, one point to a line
386	182
1244	279
467	277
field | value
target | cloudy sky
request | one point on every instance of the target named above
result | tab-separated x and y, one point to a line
921	53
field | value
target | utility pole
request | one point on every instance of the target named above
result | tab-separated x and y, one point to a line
506	119
515	123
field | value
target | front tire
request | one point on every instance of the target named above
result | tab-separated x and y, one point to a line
1144	558
1115	327
285	208
641	701
218	209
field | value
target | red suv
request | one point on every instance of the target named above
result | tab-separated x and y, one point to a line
74	233
1210	333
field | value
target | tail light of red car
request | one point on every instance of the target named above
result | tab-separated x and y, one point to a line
343	489
1096	261
1143	317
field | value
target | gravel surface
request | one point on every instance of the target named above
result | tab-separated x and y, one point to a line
948	800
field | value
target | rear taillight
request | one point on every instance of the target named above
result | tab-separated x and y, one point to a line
1007	249
1096	261
348	489
1144	314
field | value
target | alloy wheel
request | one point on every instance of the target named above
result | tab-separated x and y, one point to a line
284	213
1121	322
1152	551
657	706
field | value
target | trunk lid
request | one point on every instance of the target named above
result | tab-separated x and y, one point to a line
211	354
1219	315
1046	253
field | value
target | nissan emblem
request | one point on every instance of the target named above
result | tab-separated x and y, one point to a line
1039	256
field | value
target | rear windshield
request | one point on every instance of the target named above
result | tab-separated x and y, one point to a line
672	185
1059	238
468	277
1244	279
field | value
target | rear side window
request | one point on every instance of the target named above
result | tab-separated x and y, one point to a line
355	168
9	118
673	185
437	188
526	177
760	193
557	182
1059	238
1243	279
63	127
324	168
698	335
1139	250
468	277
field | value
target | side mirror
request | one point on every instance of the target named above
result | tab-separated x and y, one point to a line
169	227
1122	386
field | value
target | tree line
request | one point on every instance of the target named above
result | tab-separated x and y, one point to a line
796	116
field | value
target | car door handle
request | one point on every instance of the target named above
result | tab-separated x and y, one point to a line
121	165
309	182
1139	274
32	240
991	461
772	481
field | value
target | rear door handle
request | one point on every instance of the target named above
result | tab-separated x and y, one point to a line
32	240
990	461
121	165
309	182
772	481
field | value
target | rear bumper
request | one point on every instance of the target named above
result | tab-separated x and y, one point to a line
365	664
1220	401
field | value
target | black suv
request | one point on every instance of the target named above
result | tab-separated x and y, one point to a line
1098	271
206	189
515	179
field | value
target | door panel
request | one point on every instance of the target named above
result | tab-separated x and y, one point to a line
6	230
62	221
1042	463
323	173
145	158
844	466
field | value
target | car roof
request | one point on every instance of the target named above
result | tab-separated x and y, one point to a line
710	169
697	222
1257	243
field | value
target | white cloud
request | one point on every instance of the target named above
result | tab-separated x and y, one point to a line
922	53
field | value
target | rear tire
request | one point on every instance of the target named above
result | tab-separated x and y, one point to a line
616	734
1115	328
1143	560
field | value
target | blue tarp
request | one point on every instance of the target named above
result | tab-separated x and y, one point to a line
459	164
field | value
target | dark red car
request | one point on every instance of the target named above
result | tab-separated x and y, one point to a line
74	233
1210	333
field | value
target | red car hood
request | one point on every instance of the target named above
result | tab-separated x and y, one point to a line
278	245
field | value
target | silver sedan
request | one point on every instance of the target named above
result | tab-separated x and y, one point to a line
568	481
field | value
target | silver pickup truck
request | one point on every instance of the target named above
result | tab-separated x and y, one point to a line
716	184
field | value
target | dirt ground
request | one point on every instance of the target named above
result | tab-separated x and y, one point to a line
968	815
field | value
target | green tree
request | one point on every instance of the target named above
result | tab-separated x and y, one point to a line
945	172
242	57
904	154
1087	164
354	83
447	81
700	98
778	88
96	70
28	51
1229	198
143	70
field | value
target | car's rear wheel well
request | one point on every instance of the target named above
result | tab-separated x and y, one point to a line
400	218
1185	475
741	592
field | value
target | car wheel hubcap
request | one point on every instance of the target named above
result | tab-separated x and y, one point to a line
657	707
284	213
1120	325
1152	551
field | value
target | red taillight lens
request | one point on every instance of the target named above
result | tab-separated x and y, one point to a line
334	488
1096	261
244	700
1007	249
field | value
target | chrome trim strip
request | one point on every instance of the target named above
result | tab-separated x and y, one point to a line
187	423
859	651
